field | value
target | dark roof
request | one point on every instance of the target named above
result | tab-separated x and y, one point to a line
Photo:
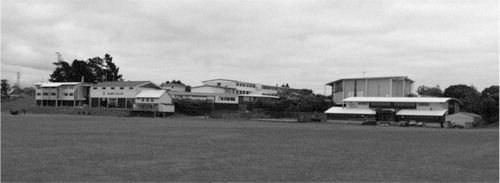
122	83
384	77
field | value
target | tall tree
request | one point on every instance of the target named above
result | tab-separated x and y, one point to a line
430	91
93	70
5	89
490	104
467	94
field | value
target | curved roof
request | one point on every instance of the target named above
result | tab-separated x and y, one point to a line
401	99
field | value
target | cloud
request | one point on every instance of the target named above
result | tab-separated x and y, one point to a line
303	43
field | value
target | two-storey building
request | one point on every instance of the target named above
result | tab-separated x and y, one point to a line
118	94
61	94
392	86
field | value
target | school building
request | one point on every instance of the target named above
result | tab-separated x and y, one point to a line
391	86
61	93
118	94
154	101
429	109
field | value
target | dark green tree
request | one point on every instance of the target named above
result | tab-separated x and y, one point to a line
93	70
430	91
489	104
5	89
468	95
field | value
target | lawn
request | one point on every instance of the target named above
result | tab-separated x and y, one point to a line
90	148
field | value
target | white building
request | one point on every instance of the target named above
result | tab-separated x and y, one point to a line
390	86
118	94
246	91
154	101
61	94
395	108
221	100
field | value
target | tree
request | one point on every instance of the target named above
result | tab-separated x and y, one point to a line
5	89
468	95
93	70
430	91
489	104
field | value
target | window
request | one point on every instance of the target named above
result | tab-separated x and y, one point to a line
53	94
65	94
103	88
121	88
142	99
38	94
70	94
423	104
131	88
45	94
112	88
218	84
95	88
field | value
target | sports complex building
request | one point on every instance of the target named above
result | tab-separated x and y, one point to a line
429	109
61	94
118	94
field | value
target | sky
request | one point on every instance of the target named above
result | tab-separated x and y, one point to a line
303	43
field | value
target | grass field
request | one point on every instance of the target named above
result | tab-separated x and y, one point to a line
90	148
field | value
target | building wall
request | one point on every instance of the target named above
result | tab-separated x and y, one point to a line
207	89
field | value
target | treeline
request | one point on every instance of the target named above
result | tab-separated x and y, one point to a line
484	103
94	70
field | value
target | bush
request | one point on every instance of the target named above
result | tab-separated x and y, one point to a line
193	107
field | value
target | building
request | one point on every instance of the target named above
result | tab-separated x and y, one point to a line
61	94
118	94
464	119
394	86
174	87
227	101
246	91
395	109
156	101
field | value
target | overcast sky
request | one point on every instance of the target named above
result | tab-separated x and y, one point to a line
303	43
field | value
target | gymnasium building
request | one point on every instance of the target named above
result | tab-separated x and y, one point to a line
429	109
391	86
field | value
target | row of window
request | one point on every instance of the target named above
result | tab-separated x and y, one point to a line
419	104
53	94
243	92
121	88
270	94
246	85
147	99
269	87
227	98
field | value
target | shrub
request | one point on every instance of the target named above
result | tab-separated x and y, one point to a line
193	107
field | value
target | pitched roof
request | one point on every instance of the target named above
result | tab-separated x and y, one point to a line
341	110
150	94
408	112
468	114
399	99
122	83
383	77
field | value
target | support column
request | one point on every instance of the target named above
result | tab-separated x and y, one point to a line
404	81
366	87
390	87
343	89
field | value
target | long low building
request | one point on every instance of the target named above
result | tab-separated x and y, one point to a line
221	100
395	109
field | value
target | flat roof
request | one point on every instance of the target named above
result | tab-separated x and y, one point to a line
150	94
382	77
340	110
240	82
408	112
212	87
56	84
202	94
122	83
400	99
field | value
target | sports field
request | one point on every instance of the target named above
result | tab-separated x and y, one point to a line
91	148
